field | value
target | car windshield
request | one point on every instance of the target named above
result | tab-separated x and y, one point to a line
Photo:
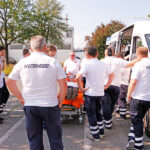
147	36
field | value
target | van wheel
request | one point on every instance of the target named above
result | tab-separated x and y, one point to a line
147	123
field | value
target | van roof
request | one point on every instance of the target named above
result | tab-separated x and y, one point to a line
114	36
139	27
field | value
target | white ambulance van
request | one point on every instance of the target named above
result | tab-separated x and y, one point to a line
127	40
130	37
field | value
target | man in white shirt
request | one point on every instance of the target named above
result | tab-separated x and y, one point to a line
71	67
139	97
125	76
95	72
39	74
112	93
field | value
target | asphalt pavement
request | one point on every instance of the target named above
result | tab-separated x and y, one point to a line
75	135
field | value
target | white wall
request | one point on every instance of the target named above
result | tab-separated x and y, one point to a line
15	54
62	55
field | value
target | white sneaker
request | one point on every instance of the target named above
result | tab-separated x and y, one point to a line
102	136
92	138
130	145
96	140
4	113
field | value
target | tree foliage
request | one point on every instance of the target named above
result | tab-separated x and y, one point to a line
21	19
99	36
48	21
13	21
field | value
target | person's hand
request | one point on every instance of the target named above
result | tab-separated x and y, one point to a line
105	87
60	105
22	101
84	89
129	97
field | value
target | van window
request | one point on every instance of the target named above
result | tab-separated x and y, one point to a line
113	44
137	42
147	36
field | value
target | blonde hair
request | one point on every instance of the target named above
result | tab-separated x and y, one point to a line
143	51
37	42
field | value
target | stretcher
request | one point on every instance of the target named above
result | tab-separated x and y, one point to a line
72	107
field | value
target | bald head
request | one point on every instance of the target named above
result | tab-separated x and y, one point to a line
72	55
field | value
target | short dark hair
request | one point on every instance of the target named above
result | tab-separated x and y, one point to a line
92	51
25	51
1	48
109	51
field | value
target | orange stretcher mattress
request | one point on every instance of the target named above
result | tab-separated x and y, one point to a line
77	102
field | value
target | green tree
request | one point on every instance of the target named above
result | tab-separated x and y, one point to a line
99	36
14	22
48	21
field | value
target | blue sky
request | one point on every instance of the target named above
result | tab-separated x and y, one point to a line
86	15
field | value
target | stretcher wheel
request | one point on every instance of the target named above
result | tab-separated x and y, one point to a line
63	118
80	119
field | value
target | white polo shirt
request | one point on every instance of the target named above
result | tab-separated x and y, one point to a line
95	72
83	61
125	76
115	64
39	74
141	72
72	66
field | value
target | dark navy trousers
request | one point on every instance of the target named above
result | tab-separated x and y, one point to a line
108	103
122	100
4	96
95	118
138	109
34	126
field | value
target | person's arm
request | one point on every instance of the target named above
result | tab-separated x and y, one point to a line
65	68
63	90
3	61
131	88
79	79
110	79
11	84
65	65
132	63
